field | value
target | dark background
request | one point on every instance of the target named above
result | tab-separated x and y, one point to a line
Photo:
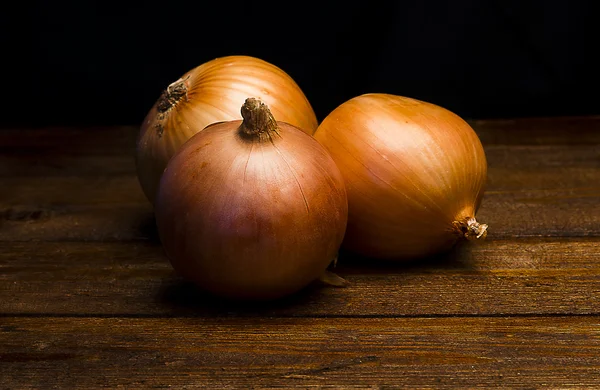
96	63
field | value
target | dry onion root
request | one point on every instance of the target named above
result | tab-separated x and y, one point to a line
252	209
213	92
414	173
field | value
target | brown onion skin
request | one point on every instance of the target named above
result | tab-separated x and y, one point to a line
214	92
415	174
249	218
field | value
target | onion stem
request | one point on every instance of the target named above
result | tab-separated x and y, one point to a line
172	95
471	229
258	119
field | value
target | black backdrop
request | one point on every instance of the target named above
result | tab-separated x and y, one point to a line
95	63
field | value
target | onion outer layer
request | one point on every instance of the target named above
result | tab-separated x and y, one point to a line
252	209
414	173
214	92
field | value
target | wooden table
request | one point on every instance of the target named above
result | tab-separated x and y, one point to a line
88	299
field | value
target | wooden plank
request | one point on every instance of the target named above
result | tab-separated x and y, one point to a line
547	213
524	277
532	191
78	223
44	164
114	189
118	139
508	215
558	352
75	208
518	204
527	157
100	190
542	157
43	152
509	170
67	152
89	151
111	140
583	130
47	164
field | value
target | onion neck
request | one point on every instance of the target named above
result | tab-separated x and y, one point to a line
258	119
470	229
174	93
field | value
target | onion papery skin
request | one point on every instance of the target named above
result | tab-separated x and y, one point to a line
214	92
251	217
415	175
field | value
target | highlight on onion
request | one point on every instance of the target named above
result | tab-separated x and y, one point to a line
252	209
214	92
414	173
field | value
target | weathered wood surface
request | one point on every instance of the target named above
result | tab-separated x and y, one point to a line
88	299
529	277
554	193
556	352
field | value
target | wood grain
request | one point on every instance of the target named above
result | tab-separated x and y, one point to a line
527	277
532	191
110	150
563	352
539	131
89	300
570	211
575	130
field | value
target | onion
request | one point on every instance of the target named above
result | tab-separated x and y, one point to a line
252	209
414	174
209	93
